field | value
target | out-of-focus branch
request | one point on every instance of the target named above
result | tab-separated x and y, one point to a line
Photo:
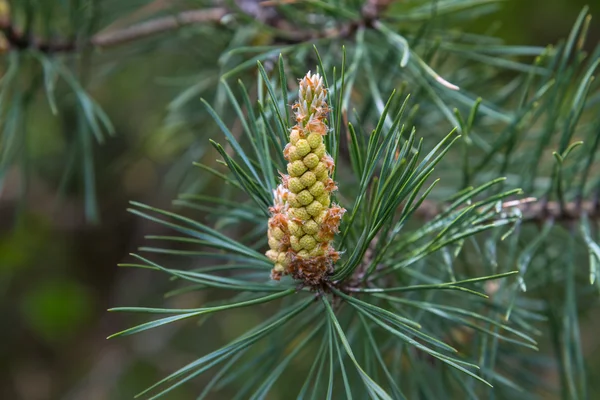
20	40
114	37
531	209
158	25
15	39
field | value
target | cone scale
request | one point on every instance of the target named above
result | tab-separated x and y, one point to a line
303	220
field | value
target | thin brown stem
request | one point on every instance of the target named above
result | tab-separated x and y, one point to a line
159	25
116	35
533	210
111	38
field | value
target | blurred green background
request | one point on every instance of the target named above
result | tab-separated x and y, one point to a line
59	274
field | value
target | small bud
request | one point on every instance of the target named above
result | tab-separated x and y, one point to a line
277	233
317	251
272	255
304	197
293	201
308	179
320	151
295	185
321	217
314	140
296	168
310	227
274	243
311	160
303	254
295	243
308	242
282	258
292	154
303	148
295	135
314	208
295	229
320	168
300	213
324	199
322	176
318	189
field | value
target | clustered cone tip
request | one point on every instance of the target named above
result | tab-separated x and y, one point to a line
303	220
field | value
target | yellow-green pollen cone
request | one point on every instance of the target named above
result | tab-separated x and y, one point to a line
304	221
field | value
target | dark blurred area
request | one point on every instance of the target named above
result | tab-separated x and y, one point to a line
58	270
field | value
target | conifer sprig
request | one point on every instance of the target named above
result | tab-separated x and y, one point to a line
360	298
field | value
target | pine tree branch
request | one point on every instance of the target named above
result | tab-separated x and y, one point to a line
532	209
19	40
158	25
370	13
22	41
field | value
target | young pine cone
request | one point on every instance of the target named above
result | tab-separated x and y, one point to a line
303	221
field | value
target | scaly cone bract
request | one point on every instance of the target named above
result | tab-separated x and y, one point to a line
304	222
